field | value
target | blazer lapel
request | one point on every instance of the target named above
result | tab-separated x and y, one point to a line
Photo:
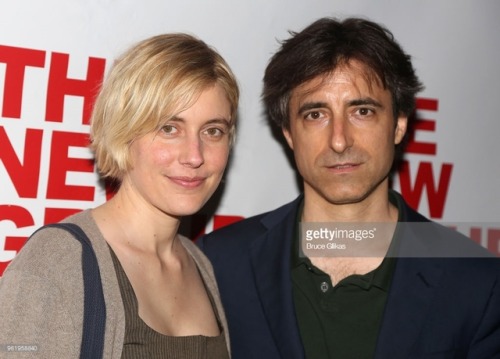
270	256
413	288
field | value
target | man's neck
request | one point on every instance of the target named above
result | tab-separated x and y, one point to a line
374	208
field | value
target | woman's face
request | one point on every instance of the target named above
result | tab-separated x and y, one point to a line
178	168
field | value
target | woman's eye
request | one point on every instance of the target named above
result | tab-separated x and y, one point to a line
169	129
214	132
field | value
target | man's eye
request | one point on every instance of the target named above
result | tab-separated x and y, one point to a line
365	111
314	115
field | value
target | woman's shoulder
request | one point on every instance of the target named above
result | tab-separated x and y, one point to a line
193	250
47	246
202	262
53	250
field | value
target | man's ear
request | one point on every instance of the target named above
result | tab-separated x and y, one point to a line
288	137
401	126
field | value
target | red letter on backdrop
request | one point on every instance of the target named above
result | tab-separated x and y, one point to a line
425	178
61	164
494	241
53	215
24	176
59	86
21	218
425	148
222	221
17	59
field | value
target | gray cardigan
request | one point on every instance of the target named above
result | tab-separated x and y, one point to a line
41	294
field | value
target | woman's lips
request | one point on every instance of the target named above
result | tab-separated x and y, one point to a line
187	182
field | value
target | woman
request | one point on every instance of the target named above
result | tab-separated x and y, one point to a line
162	128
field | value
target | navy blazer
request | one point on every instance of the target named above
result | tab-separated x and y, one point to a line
436	308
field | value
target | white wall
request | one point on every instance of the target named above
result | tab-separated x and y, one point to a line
454	46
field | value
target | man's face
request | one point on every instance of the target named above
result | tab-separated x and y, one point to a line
343	134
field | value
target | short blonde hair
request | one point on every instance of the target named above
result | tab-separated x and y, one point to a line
150	83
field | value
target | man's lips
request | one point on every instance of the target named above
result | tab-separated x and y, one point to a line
344	167
187	182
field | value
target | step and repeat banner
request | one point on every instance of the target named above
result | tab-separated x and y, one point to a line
53	54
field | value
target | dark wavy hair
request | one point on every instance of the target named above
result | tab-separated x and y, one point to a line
327	43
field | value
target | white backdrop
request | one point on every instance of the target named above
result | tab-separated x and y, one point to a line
451	175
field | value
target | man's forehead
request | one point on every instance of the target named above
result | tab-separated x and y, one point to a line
352	73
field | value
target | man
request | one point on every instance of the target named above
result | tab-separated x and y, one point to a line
342	93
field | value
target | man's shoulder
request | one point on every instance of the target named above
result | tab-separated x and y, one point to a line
442	240
252	227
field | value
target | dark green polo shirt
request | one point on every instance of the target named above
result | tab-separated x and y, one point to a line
342	320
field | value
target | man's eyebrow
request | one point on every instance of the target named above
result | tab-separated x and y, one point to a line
355	102
364	101
311	105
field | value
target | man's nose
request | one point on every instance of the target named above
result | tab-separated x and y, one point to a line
341	136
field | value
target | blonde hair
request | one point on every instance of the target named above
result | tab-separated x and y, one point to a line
151	82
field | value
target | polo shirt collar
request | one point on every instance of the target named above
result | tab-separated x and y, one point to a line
379	277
